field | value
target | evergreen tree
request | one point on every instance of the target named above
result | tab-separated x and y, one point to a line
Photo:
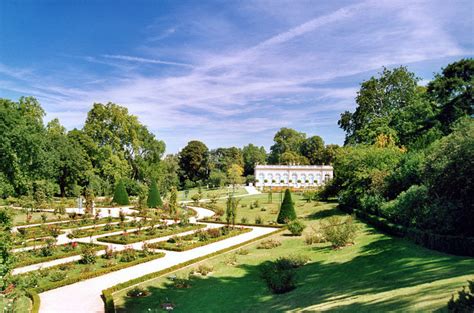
120	195
154	197
287	210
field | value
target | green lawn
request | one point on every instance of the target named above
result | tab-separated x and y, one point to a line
267	210
221	192
19	217
377	274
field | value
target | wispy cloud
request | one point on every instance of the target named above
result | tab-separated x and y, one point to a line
301	76
144	60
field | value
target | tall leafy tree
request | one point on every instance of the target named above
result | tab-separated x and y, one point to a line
313	149
391	104
194	162
6	256
223	158
453	93
253	155
123	137
286	140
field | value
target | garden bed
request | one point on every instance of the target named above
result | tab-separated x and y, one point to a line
74	223
149	233
199	238
22	243
72	272
52	252
108	228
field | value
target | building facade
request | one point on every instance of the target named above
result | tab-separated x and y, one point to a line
297	176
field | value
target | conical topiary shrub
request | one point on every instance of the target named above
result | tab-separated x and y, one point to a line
120	195
287	210
154	197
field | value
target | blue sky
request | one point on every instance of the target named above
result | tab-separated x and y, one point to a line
224	72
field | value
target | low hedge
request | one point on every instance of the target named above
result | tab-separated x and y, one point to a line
103	271
107	294
171	231
78	251
35	300
456	245
169	246
242	224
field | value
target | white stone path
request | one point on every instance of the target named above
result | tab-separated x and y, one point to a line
85	296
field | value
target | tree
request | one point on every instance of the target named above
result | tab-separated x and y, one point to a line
290	157
253	155
287	210
111	125
217	178
194	162
154	197
329	154
223	158
231	210
453	93
234	175
120	195
286	140
313	149
391	104
166	173
173	205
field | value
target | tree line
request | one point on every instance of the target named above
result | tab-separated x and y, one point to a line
409	150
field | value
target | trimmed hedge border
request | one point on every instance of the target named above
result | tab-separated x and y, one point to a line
107	294
174	231
163	244
240	224
33	293
457	245
35	301
53	257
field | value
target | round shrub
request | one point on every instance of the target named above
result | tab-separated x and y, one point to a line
296	227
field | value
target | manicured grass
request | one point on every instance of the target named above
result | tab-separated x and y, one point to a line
266	210
69	273
19	217
220	192
377	274
58	252
132	237
199	238
21	304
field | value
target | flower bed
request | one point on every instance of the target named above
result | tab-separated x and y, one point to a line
39	231
72	272
108	228
149	233
199	238
22	243
51	252
70	224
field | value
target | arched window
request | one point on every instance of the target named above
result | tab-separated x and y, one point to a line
278	178
311	178
326	177
285	178
318	178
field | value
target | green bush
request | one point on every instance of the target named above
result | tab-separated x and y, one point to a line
464	301
287	209
269	244
154	197
128	255
278	278
339	232
296	227
120	194
88	255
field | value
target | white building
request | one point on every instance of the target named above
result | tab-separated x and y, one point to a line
292	175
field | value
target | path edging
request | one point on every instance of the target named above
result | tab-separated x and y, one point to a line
107	294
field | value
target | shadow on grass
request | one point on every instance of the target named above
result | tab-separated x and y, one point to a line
326	213
383	265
